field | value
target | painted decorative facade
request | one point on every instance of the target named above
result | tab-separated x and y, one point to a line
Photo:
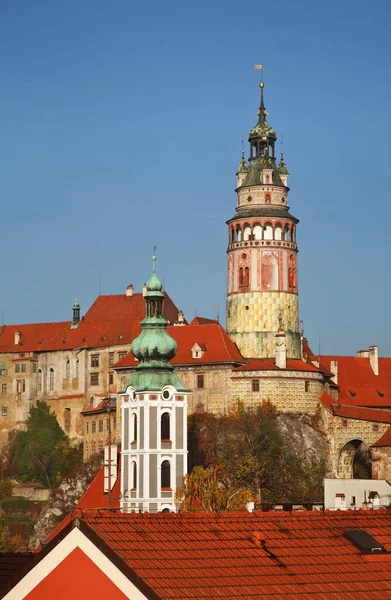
262	289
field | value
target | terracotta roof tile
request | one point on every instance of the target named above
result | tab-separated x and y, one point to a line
355	412
355	374
219	348
295	555
111	321
385	440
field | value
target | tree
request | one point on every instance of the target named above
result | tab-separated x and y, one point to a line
205	490
252	452
42	452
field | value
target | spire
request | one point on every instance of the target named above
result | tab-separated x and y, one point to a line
242	164
76	314
154	347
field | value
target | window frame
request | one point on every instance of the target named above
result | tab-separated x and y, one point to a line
94	361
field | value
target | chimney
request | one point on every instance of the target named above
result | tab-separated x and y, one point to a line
281	349
334	370
363	353
129	290
250	506
18	335
374	359
144	289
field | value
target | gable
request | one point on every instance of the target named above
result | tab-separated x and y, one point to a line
87	581
75	568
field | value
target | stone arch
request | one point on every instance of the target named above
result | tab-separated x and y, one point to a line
257	231
355	461
247	235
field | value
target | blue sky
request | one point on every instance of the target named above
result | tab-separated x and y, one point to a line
121	127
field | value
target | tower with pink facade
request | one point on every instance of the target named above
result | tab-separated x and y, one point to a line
262	292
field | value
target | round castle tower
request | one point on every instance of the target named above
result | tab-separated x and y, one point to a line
262	293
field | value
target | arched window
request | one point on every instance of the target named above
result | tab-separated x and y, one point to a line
134	476
67	369
232	235
165	474
240	279
39	380
246	279
135	428
165	426
287	232
257	232
278	232
247	232
238	234
51	379
268	232
77	369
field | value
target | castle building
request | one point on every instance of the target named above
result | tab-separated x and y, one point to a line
154	416
262	292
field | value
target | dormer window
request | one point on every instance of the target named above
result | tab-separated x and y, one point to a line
352	393
198	350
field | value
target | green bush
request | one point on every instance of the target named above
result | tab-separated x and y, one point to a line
17	505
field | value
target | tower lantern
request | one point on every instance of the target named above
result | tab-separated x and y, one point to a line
262	292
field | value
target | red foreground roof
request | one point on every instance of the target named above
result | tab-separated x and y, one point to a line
217	345
358	384
279	555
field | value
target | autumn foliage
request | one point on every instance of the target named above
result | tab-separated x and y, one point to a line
246	455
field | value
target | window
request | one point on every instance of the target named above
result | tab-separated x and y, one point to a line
255	385
135	428
20	386
107	424
39	380
100	446
4	411
165	427
34	367
77	369
94	360
121	355
111	358
375	427
67	369
94	378
165	475
100	425
344	423
87	427
51	379
134	476
3	370
200	381
3	388
307	386
93	426
23	368
93	448
111	378
17	368
86	451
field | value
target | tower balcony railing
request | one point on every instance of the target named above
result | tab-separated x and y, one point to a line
274	243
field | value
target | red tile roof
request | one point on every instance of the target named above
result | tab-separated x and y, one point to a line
298	555
90	409
366	388
385	439
355	412
120	306
111	321
219	347
202	321
269	364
